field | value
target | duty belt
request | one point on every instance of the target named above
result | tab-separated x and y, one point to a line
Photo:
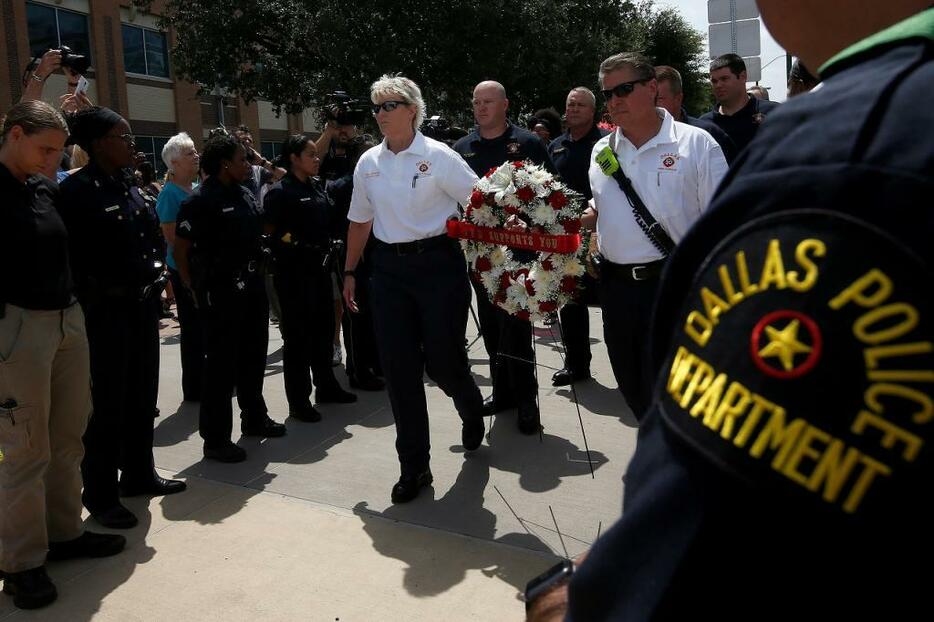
415	247
632	272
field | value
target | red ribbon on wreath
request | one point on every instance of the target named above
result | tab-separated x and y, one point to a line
526	240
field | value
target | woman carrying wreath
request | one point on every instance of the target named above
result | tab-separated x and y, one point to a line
405	190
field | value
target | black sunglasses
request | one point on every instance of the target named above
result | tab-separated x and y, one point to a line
387	106
623	89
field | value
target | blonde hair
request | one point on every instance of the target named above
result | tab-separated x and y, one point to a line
400	86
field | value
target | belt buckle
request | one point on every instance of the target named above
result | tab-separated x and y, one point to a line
635	273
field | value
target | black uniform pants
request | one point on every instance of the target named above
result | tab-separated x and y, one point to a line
513	375
575	328
627	314
236	331
362	354
420	306
123	337
191	339
307	322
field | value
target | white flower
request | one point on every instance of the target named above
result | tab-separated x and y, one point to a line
502	178
539	176
542	214
544	280
573	267
484	216
509	306
498	256
490	281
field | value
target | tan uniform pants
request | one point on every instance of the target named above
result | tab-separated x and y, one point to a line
44	370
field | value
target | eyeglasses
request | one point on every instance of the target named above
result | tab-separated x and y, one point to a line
127	138
387	106
623	89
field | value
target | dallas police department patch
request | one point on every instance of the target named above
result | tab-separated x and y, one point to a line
804	362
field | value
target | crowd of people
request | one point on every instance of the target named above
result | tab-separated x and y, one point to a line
707	326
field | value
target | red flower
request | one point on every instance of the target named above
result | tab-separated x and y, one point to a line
548	306
518	164
525	194
521	272
490	172
569	284
500	296
547	266
510	210
523	315
468	212
476	198
504	280
483	264
557	200
490	200
572	226
530	287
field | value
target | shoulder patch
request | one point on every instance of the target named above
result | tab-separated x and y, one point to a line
804	364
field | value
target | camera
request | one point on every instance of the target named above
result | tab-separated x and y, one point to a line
346	110
78	63
441	129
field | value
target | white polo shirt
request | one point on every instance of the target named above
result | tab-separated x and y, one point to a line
675	173
411	194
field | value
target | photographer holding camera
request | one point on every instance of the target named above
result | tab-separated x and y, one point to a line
342	144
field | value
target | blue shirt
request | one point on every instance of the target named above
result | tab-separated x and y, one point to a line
170	200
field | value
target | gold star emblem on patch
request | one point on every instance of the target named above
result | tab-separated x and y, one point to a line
784	344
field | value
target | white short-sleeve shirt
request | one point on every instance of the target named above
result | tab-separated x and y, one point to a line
675	173
410	195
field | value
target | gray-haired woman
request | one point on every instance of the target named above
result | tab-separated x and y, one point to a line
405	190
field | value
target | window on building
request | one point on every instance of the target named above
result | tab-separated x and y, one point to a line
152	147
270	150
51	27
145	51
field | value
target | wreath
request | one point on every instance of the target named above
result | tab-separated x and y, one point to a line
551	213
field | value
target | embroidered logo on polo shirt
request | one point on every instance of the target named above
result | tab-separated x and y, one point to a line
423	167
669	161
803	364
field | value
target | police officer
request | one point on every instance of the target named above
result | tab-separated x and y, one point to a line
671	98
570	153
302	222
405	190
812	486
117	257
218	250
340	147
45	397
495	141
737	113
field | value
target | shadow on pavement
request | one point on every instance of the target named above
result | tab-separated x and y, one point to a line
461	510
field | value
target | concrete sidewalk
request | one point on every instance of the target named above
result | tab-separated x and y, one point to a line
304	529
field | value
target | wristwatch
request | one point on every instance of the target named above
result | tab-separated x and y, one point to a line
36	77
548	580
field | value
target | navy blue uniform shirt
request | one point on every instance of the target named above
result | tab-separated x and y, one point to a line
113	237
225	225
482	154
742	126
572	158
33	245
726	143
784	470
303	218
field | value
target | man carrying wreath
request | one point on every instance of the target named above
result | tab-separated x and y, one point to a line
508	340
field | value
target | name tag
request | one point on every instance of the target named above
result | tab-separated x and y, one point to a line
227	209
560	150
303	199
111	208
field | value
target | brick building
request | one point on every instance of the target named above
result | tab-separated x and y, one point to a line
130	72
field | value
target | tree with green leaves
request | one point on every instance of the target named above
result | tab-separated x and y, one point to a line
293	52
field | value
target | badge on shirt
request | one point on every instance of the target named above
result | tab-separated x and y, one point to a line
669	161
303	199
227	209
423	167
560	150
803	364
469	155
185	225
111	208
512	148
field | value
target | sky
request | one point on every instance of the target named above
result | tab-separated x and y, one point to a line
695	12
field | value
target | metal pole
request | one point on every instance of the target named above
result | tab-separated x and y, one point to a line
733	25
